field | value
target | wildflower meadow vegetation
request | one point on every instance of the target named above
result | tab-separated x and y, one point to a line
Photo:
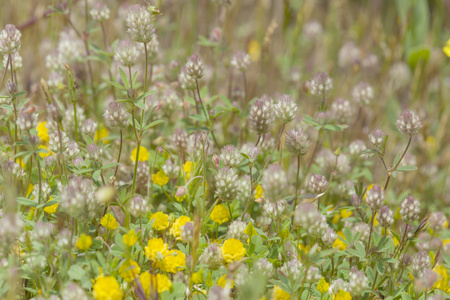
224	149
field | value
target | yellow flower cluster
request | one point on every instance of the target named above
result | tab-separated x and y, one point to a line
129	270
161	221
160	178
84	242
154	246
109	222
159	282
175	230
220	214
280	294
143	154
233	250
173	260
107	288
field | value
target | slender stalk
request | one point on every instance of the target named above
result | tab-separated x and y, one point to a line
251	192
245	89
120	152
145	77
297	181
206	115
398	163
138	140
370	233
76	121
4	73
316	146
105	45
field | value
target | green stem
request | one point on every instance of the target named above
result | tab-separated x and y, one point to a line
76	121
120	152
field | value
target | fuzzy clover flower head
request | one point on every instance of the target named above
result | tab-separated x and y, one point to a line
261	115
116	115
9	40
376	137
363	229
409	123
292	269
356	147
73	292
306	214
227	186
297	141
16	61
348	55
321	84
89	128
72	149
58	141
187	82
138	206
420	262
175	230
212	257
99	12
93	152
264	267
437	221
230	156
312	274
410	209
126	53
27	119
220	214
385	217
10	228
107	288
338	285
312	30
240	61
342	111
187	232
274	183
358	282
139	24
363	93
317	184
236	230
426	281
375	198
195	67
285	109
274	210
329	237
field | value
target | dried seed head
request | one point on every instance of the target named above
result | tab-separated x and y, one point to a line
139	24
297	142
410	209
195	67
409	123
285	109
126	53
321	84
9	40
240	61
261	115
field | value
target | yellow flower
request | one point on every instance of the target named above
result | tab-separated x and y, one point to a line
42	154
254	50
368	189
220	214
323	286
100	134
187	168
222	281
197	277
158	281
446	48
20	162
130	238
129	270
161	221
173	260
338	243
175	230
109	222
84	242
345	213
303	248
342	295
107	288
43	132
442	283
336	219
280	294
233	250
251	231
52	208
154	246
143	154
160	178
259	192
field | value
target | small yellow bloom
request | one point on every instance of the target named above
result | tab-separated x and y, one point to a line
101	134
233	250
323	286
160	178
259	192
84	242
161	221
336	218
345	213
130	238
220	214
52	208
187	168
175	230
254	50
222	281
250	230
42	154
43	132
369	187
154	246
442	283
173	260
303	248
342	295
129	270
280	294
107	288
338	243
20	162
197	277
143	154
109	222
446	48
159	281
